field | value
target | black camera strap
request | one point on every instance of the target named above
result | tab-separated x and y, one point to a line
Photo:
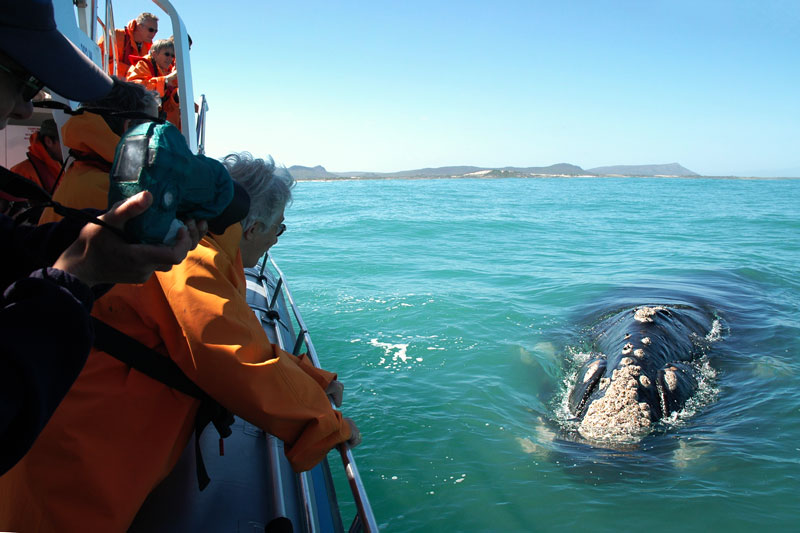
103	111
157	366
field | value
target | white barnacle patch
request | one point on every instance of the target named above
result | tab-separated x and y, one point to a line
644	381
590	372
638	353
625	361
618	415
646	341
627	336
627	349
671	379
604	383
645	314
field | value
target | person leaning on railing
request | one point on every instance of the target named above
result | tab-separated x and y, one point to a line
119	432
156	71
133	40
49	273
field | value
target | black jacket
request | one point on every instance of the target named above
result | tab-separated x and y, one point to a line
45	331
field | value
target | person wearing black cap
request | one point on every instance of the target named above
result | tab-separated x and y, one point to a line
119	432
49	273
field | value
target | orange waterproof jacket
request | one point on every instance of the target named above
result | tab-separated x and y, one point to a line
118	433
39	167
85	183
126	47
146	72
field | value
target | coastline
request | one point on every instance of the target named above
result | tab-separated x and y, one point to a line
542	176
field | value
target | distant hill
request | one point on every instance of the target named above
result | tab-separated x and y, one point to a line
670	169
309	173
559	169
421	172
553	170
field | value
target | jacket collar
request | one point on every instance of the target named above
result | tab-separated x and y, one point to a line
89	133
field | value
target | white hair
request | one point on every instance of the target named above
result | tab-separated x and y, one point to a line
269	186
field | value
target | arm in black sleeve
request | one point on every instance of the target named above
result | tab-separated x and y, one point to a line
45	330
28	248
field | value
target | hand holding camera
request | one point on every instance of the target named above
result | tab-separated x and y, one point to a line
155	157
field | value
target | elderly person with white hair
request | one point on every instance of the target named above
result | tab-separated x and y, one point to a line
156	72
135	39
119	433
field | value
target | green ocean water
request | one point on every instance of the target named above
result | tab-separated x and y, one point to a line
454	312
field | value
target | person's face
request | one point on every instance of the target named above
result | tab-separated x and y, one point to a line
257	240
53	148
146	31
17	88
164	58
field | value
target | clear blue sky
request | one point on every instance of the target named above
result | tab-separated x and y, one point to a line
386	86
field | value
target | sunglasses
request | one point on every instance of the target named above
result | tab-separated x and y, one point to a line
169	54
152	30
280	230
29	84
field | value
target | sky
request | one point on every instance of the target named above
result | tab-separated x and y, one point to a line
386	86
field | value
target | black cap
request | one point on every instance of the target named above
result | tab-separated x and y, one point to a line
235	212
28	35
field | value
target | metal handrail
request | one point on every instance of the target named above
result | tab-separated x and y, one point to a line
110	50
184	68
201	125
303	478
363	506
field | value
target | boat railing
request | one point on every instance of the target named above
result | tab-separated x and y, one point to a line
364	519
110	49
201	125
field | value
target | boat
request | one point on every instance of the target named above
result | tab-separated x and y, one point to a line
252	486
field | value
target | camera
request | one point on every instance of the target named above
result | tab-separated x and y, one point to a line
155	157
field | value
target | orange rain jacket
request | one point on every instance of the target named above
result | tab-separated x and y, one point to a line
85	183
146	72
126	47
118	433
40	168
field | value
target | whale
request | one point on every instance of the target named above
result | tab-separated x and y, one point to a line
643	368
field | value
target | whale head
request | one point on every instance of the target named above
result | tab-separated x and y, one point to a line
642	374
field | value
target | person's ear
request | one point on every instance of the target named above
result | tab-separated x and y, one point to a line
251	232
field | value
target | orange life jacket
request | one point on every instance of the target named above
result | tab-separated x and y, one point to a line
39	167
126	47
146	72
118	433
85	184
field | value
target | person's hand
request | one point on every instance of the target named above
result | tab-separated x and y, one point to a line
335	391
197	231
355	434
172	78
99	256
